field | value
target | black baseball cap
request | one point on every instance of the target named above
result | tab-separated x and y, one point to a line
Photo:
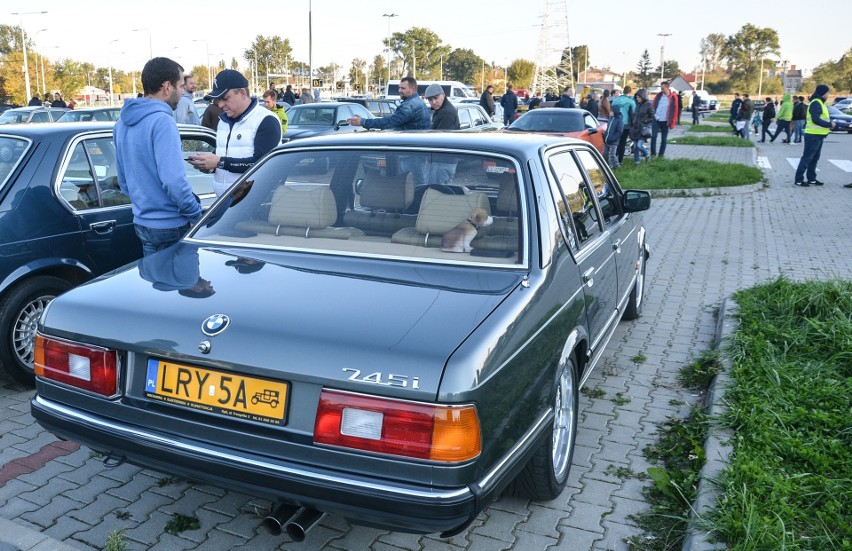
226	80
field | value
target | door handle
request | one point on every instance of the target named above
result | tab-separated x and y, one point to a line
102	227
616	245
587	277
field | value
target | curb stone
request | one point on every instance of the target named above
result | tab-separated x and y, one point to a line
717	448
21	538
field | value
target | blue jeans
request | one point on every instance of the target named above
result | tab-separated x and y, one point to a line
639	146
662	128
154	239
810	157
799	131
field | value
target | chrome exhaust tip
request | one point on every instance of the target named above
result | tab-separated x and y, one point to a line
278	518
304	520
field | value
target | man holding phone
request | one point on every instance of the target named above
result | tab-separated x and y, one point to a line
149	159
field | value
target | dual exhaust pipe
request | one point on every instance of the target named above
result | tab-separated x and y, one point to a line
294	520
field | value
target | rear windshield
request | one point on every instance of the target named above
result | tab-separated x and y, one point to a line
433	206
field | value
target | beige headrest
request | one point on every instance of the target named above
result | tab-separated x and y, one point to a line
312	207
392	193
507	195
440	212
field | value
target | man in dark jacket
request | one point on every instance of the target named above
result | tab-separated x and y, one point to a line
735	108
768	116
58	101
34	101
289	96
800	111
444	113
567	99
486	100
445	116
509	102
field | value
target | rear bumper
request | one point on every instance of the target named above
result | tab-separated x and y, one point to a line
387	504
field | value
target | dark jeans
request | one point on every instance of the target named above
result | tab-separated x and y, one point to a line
662	128
782	125
622	143
765	130
154	239
810	157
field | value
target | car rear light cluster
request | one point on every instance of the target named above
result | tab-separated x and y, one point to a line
86	367
396	427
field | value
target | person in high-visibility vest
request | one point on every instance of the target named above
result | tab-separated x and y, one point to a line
817	126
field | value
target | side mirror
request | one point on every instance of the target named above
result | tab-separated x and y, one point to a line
340	123
636	200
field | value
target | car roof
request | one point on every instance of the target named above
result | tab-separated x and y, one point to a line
52	128
37	108
320	104
496	142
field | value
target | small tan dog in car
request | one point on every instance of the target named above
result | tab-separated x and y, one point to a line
458	239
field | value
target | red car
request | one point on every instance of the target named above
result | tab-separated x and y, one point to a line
572	123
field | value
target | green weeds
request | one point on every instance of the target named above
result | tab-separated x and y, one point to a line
180	523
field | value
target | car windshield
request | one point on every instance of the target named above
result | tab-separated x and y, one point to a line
376	203
312	116
549	120
13	116
105	115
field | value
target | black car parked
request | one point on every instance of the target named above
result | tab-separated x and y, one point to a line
63	221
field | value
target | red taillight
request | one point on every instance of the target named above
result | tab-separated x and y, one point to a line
437	433
87	367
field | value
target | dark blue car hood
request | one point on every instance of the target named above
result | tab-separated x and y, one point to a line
310	315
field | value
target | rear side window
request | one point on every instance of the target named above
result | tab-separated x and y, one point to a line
11	152
90	180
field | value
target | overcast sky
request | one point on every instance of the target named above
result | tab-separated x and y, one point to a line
500	31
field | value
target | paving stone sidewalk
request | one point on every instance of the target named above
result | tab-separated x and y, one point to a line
703	249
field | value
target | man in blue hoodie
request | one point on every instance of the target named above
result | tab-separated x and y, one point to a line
149	161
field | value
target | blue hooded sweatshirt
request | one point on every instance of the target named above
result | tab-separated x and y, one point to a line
151	169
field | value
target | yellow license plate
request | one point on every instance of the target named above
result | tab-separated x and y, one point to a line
229	394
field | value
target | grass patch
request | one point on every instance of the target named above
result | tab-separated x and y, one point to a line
699	374
620	399
686	174
726	141
639	358
680	453
710	128
592	392
180	523
719	116
789	485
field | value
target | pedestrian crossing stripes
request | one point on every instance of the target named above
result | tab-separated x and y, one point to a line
843	164
762	162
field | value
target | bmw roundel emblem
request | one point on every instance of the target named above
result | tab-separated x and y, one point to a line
215	324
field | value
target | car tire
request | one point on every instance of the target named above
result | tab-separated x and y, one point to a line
637	294
20	311
544	476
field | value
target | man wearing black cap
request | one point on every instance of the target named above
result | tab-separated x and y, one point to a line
817	126
246	131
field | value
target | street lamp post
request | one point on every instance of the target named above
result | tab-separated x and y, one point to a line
663	54
109	61
207	50
24	46
389	16
38	59
150	49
